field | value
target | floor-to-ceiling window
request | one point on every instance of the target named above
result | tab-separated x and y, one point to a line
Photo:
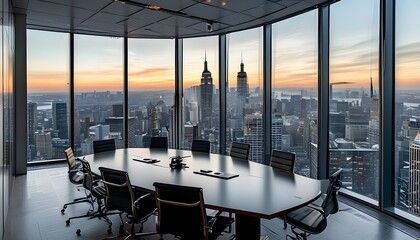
244	96
98	91
151	86
295	90
48	95
407	107
354	126
201	91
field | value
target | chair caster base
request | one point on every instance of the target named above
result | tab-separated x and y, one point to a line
63	210
109	230
68	222
78	232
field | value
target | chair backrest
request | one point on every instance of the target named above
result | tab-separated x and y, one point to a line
330	203
103	145
159	142
181	211
119	192
239	150
200	146
283	160
71	160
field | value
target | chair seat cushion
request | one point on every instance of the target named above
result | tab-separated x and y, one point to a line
99	192
308	219
76	177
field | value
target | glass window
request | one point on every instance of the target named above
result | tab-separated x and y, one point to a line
354	95
201	92
407	107
48	95
295	90
151	84
98	90
244	97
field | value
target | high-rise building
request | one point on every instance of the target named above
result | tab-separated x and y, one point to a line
414	176
60	124
43	145
32	127
242	85
206	101
117	110
338	124
253	135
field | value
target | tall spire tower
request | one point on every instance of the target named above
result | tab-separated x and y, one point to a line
242	84
206	101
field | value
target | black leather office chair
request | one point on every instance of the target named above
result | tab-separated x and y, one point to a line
311	219
95	190
76	176
283	160
240	150
121	196
200	146
103	145
181	212
159	142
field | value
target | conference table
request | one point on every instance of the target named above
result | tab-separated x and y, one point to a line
259	191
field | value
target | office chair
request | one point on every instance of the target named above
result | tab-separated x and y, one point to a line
159	142
103	145
312	220
76	176
240	150
200	146
95	191
284	161
181	212
121	196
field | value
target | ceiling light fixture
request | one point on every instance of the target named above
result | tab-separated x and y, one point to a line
158	8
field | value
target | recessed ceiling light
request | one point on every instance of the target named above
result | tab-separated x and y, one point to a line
153	7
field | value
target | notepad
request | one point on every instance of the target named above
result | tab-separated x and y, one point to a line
146	160
223	175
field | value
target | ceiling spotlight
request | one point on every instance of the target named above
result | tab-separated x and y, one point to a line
209	26
152	7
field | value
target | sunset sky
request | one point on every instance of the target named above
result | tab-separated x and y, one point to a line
353	54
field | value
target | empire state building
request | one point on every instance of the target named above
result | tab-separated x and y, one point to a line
206	101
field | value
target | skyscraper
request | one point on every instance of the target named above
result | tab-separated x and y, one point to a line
60	119
242	85
206	101
32	108
413	180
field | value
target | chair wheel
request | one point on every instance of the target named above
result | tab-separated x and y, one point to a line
78	232
109	230
68	222
62	211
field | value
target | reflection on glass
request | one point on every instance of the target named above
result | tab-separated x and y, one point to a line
354	95
295	91
48	95
151	83
201	93
407	107
98	90
244	98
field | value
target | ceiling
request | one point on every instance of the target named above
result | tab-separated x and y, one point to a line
175	18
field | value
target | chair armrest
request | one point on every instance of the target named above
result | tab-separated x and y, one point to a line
316	208
140	199
74	170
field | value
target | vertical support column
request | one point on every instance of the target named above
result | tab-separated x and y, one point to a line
387	76
323	91
125	103
178	131
267	50
71	89
20	96
222	92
